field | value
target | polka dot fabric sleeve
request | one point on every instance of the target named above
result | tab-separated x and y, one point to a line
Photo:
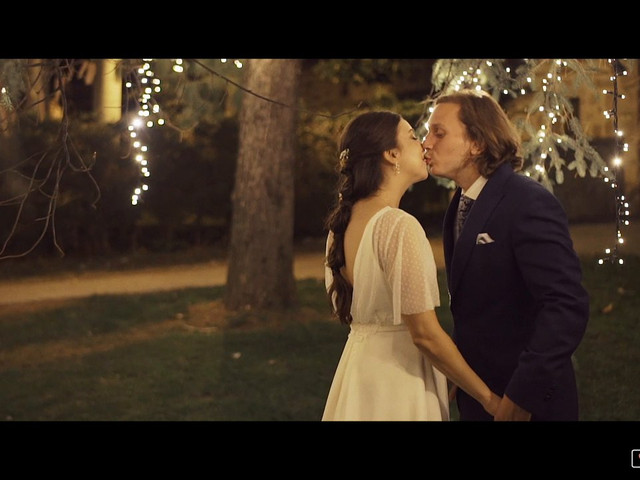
407	261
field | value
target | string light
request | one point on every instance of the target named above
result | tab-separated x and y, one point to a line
138	122
146	84
610	175
556	119
551	113
552	110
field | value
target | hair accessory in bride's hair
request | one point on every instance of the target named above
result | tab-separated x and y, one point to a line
344	157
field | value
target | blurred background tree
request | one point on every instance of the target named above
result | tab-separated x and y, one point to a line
73	181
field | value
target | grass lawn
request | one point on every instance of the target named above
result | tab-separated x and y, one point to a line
158	357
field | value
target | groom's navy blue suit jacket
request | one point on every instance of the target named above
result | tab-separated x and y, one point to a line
518	304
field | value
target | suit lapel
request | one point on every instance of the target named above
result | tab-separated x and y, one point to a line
482	208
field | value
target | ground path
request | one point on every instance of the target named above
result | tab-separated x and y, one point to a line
36	293
589	239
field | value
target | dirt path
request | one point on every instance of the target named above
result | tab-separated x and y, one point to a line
589	239
28	295
67	286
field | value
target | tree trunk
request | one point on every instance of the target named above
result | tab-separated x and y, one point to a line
260	274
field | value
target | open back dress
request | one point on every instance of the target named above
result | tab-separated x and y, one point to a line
381	374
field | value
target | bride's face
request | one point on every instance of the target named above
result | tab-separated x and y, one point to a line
410	152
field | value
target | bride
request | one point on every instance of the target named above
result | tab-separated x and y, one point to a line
381	279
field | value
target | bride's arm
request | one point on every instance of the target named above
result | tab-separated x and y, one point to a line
431	339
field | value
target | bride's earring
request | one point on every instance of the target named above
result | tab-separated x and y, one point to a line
397	168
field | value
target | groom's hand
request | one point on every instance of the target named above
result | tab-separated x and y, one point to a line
509	411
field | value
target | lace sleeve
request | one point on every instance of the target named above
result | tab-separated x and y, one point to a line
406	258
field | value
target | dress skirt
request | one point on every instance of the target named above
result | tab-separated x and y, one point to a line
381	375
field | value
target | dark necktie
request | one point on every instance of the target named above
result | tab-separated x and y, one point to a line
464	205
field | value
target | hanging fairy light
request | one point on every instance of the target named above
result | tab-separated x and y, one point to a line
471	76
612	173
147	85
551	113
178	67
558	127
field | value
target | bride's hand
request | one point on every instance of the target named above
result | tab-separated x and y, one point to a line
492	406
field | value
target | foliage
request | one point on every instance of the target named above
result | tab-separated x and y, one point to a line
52	190
12	82
363	70
333	91
32	172
196	95
195	151
191	183
553	137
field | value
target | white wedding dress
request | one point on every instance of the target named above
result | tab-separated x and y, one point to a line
381	374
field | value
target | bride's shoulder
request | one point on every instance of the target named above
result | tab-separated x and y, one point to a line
396	217
398	213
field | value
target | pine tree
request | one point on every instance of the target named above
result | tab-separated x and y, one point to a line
553	138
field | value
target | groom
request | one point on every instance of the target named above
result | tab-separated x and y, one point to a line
514	279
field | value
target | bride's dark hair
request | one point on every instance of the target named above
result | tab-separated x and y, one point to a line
361	147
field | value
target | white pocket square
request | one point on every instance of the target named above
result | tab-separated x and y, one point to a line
483	238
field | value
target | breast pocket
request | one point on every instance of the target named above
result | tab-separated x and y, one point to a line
486	252
492	267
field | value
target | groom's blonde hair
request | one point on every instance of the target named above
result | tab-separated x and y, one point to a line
488	125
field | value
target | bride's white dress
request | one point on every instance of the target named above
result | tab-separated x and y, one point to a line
381	374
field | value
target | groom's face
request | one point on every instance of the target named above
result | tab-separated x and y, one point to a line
449	149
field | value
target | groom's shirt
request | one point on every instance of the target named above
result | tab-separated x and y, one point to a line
474	190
